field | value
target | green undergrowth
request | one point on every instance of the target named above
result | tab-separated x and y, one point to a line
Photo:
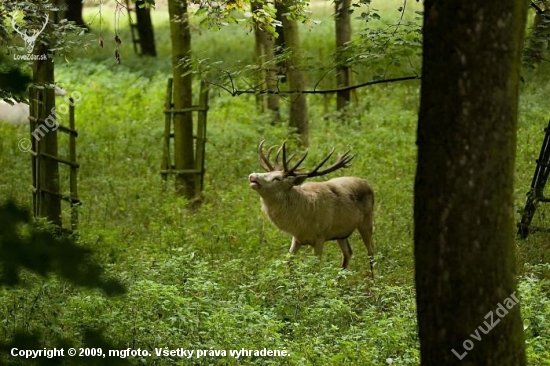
218	277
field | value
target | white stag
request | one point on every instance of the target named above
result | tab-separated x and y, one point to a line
313	212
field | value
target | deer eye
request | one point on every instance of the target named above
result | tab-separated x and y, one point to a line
278	179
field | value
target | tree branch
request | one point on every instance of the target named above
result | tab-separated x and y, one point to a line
537	8
236	92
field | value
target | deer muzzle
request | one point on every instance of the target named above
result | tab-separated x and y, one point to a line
253	179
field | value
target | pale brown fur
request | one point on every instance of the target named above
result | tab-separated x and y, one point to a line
314	213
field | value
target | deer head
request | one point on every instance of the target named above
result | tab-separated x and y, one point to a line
281	178
315	213
29	40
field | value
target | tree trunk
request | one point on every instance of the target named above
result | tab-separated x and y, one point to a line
343	36
145	29
264	53
258	55
183	98
463	200
280	44
73	12
49	205
273	100
295	76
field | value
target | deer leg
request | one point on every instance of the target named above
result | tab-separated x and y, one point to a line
295	246
366	234
318	248
346	252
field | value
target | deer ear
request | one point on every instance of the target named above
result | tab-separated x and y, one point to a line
299	180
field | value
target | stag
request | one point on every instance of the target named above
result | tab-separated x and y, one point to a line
315	212
29	40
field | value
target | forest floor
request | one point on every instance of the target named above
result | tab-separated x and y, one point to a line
218	277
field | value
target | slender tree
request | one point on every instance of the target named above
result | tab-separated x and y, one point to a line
258	53
49	201
273	100
265	54
463	204
294	73
183	98
145	29
279	42
343	36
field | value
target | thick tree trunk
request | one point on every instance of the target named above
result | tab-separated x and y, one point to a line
343	36
295	76
73	12
145	30
463	205
183	98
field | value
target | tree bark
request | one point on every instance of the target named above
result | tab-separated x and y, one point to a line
264	53
183	98
279	43
463	199
73	12
49	205
343	36
273	100
295	76
145	29
258	54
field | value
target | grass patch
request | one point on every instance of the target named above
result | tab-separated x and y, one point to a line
219	277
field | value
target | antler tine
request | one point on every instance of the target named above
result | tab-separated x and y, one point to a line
292	156
291	171
264	161
285	167
270	150
314	170
283	149
343	161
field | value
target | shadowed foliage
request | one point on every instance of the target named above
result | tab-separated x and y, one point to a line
37	248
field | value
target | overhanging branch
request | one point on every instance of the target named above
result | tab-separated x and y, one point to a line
537	8
234	92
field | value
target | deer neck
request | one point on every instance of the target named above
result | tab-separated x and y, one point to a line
281	208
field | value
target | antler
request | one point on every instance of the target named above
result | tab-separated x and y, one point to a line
292	170
275	165
264	161
343	161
